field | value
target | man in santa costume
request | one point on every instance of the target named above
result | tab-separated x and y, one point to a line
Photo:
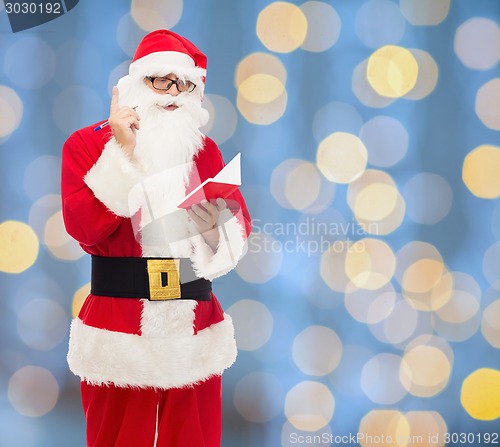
151	340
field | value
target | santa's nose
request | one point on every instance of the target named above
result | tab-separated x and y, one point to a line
172	90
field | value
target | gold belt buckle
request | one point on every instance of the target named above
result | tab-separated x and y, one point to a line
164	283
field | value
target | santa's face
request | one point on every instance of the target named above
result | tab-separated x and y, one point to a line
171	117
168	93
167	86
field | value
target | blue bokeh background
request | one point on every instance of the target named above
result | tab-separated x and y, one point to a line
63	71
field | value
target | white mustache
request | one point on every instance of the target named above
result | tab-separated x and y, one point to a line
166	104
178	101
156	100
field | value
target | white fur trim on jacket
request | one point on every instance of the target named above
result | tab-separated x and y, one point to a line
210	265
112	178
103	357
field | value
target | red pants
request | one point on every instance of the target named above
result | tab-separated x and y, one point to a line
126	417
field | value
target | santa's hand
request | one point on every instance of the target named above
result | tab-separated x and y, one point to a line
205	216
124	122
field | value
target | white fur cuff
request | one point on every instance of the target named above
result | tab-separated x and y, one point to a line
112	178
232	241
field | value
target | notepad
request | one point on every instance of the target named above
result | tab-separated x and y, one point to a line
222	185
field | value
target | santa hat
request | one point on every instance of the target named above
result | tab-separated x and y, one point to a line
162	52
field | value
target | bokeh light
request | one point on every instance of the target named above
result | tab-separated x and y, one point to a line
379	22
364	90
41	211
480	171
426	284
317	350
287	186
459	318
332	266
128	33
386	140
324	26
156	14
411	253
490	325
253	324
477	43
398	326
425	12
428	198
392	71
427	429
341	157
282	27
376	202
18	247
260	63
261	88
12	111
60	243
261	111
389	425
487	99
298	196
33	391
425	370
428	74
480	395
79	298
370	263
380	379
431	340
309	406
370	306
425	280
261	79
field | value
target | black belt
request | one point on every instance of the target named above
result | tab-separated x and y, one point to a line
156	279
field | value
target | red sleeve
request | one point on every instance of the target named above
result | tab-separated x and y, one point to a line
85	217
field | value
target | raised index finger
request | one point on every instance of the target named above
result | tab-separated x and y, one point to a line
114	101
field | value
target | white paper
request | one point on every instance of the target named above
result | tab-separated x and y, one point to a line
231	173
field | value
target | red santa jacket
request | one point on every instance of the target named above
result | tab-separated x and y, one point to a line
132	342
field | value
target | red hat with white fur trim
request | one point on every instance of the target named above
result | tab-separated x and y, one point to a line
162	52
